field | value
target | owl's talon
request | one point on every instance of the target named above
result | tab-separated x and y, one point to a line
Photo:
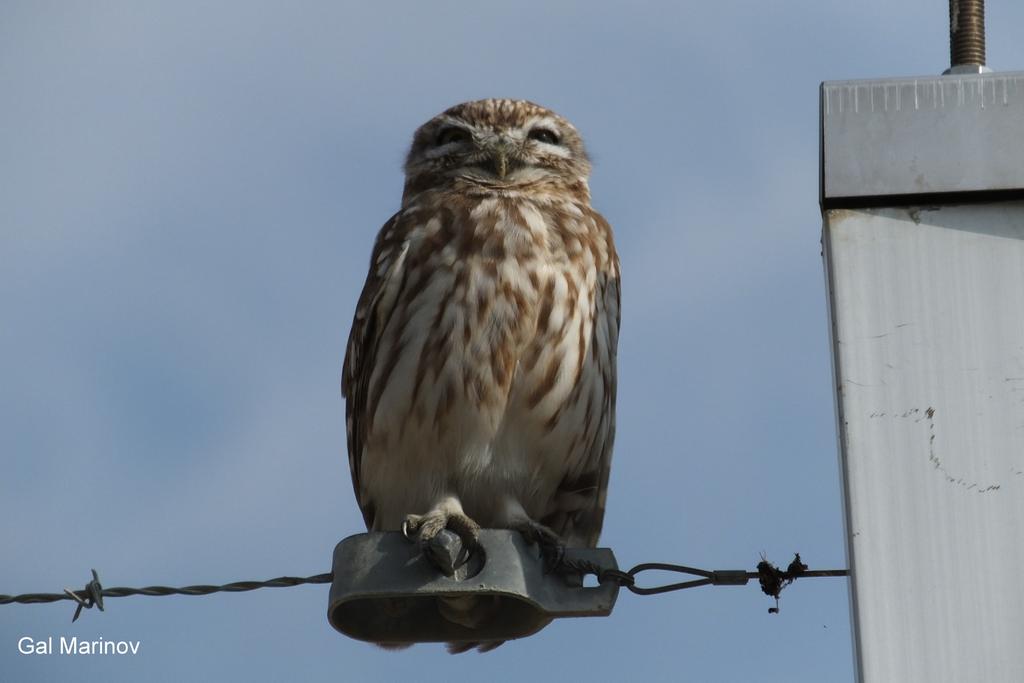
427	529
551	546
535	532
408	529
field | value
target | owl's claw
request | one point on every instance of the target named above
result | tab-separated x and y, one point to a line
552	548
447	551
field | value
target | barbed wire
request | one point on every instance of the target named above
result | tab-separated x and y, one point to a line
772	579
93	593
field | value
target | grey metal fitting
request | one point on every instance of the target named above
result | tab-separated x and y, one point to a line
386	590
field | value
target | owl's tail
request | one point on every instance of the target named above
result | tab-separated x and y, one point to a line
472	612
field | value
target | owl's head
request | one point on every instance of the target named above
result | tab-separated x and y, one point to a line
502	144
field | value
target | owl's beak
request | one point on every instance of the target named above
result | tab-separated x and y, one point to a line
501	158
501	163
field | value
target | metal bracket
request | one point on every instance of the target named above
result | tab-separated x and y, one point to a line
386	591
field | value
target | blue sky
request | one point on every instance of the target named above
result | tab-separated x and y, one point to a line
188	196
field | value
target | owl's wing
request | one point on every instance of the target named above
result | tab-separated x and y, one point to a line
586	490
384	283
608	318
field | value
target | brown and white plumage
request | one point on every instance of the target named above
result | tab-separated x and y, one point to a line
480	372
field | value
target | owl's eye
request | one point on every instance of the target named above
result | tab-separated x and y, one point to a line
544	135
452	134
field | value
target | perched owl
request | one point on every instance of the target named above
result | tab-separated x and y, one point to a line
479	376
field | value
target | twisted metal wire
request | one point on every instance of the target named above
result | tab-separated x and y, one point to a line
93	593
771	578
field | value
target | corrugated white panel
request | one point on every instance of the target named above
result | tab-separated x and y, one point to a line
927	311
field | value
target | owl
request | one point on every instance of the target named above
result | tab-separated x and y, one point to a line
480	372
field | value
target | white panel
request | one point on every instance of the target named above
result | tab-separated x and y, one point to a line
898	136
927	311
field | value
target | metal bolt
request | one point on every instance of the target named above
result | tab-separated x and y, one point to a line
966	33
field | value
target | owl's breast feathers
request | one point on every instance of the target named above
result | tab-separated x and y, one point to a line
482	358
